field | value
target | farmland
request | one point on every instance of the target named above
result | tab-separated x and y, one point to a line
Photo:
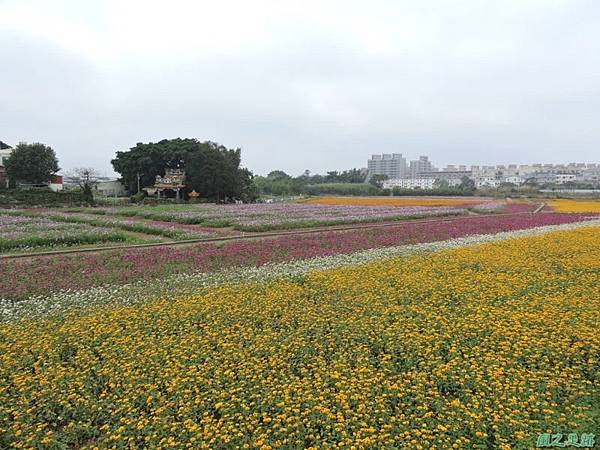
576	206
25	233
264	217
476	345
33	277
468	330
397	201
176	222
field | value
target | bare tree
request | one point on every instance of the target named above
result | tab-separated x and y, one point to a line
87	179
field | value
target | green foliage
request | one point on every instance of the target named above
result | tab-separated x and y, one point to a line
87	194
377	180
279	183
279	186
138	197
278	175
149	160
60	241
431	192
248	191
467	185
32	163
347	176
341	189
211	169
39	197
214	172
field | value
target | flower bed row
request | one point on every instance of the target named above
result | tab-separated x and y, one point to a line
170	230
72	301
27	233
22	278
480	347
265	217
575	206
461	202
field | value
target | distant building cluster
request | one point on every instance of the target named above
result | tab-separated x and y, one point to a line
421	174
106	186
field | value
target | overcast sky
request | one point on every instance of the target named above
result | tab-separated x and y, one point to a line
305	85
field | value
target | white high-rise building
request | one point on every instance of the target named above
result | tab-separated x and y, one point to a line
393	165
421	165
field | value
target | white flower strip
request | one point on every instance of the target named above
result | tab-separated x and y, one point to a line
180	285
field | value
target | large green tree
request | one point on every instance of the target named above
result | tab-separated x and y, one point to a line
31	163
145	161
214	171
211	169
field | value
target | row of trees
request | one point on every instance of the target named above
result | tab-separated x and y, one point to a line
211	169
278	182
348	182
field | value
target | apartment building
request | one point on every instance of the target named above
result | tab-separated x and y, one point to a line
422	174
421	165
391	164
410	183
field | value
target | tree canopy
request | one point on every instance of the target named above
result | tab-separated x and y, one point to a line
378	179
211	169
32	163
277	182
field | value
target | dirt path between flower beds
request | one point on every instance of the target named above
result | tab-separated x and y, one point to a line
258	235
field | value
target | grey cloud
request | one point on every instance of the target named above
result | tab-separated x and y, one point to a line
488	85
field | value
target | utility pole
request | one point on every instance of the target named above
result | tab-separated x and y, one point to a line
138	182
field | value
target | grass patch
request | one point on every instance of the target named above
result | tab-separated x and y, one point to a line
62	241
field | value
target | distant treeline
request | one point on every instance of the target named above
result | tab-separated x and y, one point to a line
280	183
39	197
342	189
450	191
348	182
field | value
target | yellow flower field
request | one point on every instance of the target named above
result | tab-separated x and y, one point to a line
483	346
575	206
393	201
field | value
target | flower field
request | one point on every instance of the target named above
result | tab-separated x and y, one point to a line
29	233
576	206
450	346
170	230
20	278
461	202
265	217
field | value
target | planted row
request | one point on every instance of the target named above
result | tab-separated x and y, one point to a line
264	217
24	233
155	228
22	278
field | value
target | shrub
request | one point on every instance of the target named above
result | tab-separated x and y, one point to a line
341	189
39	197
